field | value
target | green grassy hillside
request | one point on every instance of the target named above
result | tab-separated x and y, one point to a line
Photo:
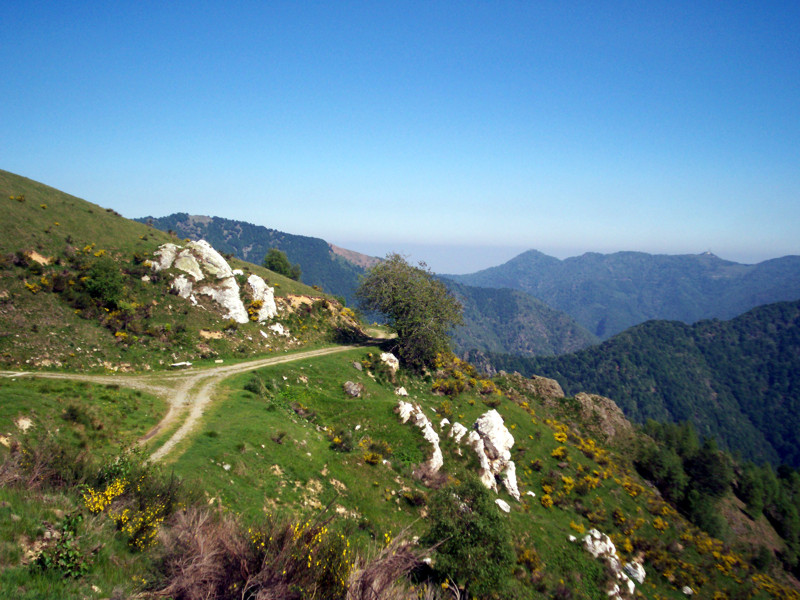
73	293
287	441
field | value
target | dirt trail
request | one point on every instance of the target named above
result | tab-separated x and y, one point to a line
190	389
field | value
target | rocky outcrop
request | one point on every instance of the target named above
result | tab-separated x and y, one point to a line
605	413
492	442
200	262
600	546
413	412
544	388
259	291
225	292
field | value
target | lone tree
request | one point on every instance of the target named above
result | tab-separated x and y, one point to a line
419	308
276	260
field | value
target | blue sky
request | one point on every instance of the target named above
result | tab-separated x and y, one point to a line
457	132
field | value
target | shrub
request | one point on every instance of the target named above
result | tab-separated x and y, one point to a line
474	541
63	554
277	261
105	282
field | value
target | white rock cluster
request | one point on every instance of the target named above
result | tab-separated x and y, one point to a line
600	546
492	442
199	262
413	412
490	439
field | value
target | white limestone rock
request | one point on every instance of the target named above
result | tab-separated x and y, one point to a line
182	286
391	361
495	452
687	591
225	292
413	412
635	571
279	329
163	257
404	409
503	505
600	546
475	441
509	478
458	431
444	423
401	391
187	263
212	261
259	290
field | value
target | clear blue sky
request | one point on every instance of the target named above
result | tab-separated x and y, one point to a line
445	130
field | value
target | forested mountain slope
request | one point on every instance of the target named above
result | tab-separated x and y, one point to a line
505	320
738	380
607	293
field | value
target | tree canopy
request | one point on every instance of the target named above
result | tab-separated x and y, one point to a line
276	260
417	305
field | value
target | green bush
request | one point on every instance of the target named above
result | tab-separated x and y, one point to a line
277	261
474	541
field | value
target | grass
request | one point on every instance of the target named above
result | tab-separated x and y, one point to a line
100	418
266	446
43	325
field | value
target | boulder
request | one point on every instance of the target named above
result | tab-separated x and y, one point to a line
260	291
503	505
401	391
494	452
391	361
352	389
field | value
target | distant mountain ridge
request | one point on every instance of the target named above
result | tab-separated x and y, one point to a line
607	293
738	380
